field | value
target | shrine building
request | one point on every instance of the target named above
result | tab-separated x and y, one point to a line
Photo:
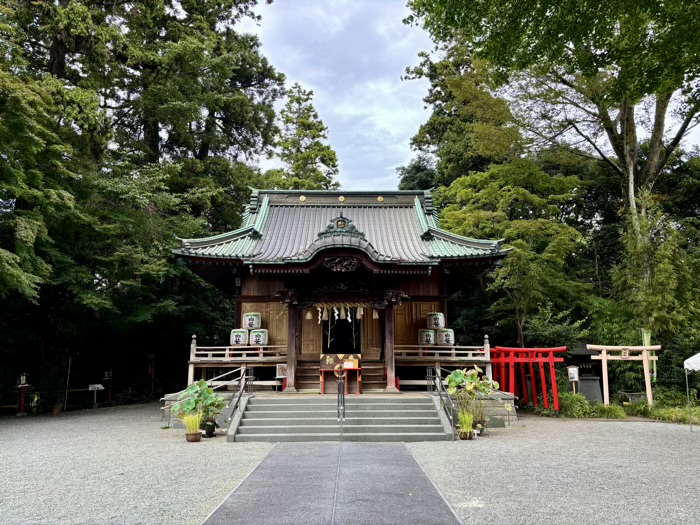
330	278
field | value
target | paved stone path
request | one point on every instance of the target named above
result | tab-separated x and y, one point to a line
336	484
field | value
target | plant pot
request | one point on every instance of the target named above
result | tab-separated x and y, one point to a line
209	429
193	438
466	435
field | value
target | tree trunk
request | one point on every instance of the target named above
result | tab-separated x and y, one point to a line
57	54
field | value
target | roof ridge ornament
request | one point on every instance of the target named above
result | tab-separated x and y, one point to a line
341	226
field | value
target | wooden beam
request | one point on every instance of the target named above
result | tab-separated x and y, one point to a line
389	348
647	376
606	389
293	326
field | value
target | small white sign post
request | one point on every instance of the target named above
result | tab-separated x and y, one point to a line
95	388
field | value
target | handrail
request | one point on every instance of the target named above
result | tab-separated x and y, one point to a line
236	401
435	376
341	402
174	400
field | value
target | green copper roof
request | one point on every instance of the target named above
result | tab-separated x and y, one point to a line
398	227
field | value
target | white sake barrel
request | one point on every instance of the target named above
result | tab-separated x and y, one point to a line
426	337
251	320
445	337
258	337
239	337
436	320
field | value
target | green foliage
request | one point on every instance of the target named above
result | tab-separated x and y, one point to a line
469	127
675	415
654	279
419	174
608	411
521	203
192	422
466	422
574	405
309	164
548	328
638	409
199	398
469	389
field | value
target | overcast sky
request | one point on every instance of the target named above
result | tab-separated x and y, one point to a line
352	54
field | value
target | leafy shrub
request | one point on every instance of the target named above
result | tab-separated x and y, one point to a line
574	405
638	409
675	415
608	411
667	398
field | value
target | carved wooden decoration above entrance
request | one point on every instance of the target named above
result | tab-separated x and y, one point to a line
341	226
341	264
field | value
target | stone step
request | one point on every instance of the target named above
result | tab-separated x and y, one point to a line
281	421
354	429
336	436
261	407
331	412
331	400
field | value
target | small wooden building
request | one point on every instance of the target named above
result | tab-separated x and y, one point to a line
335	275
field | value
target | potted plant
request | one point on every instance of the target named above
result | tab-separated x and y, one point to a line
192	422
466	420
199	398
469	388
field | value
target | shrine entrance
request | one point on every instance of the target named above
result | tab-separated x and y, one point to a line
343	336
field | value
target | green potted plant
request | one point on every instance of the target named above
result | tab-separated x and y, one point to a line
466	420
199	398
192	422
468	389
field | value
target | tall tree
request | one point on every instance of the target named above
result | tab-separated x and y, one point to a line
593	71
469	127
419	174
593	75
528	208
309	164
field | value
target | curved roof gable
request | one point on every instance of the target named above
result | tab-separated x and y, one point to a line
398	227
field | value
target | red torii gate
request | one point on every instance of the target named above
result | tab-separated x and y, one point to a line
504	370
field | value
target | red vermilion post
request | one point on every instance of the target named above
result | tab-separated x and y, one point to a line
553	375
543	377
533	384
511	372
523	381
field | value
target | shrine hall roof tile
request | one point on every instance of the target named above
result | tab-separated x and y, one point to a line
399	227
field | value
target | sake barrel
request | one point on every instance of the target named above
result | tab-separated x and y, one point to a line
436	320
445	336
239	337
258	337
426	337
251	320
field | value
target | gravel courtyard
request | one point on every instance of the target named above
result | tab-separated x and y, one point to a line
571	471
117	466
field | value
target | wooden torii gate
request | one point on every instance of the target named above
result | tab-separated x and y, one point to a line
625	353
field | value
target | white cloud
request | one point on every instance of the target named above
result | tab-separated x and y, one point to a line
352	54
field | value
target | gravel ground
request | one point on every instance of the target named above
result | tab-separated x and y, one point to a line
116	466
570	471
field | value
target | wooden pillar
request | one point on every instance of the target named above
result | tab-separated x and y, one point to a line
604	362
553	376
533	384
190	370
511	373
647	377
487	352
293	333
389	348
523	383
543	379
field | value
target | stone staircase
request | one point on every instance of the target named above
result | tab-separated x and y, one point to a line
367	418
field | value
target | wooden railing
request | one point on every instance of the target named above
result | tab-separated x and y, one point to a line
208	356
470	353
